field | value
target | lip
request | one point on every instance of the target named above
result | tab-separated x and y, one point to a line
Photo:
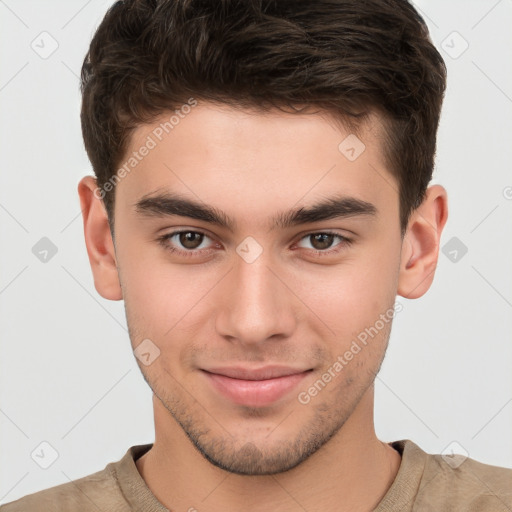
255	387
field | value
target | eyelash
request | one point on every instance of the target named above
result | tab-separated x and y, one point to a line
164	241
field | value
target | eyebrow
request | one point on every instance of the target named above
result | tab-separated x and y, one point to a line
167	204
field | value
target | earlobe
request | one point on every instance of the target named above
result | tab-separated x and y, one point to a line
420	248
98	240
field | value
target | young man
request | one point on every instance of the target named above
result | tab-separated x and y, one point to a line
261	198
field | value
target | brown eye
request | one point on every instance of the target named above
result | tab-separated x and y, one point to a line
321	241
185	242
324	243
190	239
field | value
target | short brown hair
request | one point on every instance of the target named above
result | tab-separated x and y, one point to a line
346	57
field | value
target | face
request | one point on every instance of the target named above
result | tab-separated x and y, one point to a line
250	242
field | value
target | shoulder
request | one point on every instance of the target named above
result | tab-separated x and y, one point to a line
456	482
84	494
449	483
98	491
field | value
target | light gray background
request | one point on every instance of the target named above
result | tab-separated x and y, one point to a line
68	376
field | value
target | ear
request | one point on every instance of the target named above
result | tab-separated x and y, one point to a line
98	239
420	247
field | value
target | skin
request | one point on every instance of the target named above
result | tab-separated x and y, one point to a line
287	307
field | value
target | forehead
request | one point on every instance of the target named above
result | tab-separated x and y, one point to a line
245	158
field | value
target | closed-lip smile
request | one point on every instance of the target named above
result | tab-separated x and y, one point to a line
254	387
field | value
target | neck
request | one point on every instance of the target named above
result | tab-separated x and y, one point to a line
351	472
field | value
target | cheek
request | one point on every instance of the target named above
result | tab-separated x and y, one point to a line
163	299
351	296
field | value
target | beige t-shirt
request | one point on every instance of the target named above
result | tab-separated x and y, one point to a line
424	482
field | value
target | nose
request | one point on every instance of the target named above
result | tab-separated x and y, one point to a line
255	304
